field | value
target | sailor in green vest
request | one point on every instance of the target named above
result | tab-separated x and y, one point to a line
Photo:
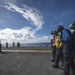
72	26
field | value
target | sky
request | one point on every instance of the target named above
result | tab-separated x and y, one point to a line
31	21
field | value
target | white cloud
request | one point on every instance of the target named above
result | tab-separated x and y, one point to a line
16	35
23	35
30	14
26	34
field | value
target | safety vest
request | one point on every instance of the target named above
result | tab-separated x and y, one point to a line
58	43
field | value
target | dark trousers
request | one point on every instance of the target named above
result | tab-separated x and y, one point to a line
73	66
53	52
59	55
67	58
67	65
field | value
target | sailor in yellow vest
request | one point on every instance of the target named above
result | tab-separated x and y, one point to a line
59	49
53	48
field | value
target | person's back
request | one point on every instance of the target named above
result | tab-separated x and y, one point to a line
66	39
66	36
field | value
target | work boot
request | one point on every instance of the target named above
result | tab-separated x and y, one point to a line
52	60
55	66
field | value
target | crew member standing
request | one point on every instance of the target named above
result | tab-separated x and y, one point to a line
59	50
66	38
53	47
72	26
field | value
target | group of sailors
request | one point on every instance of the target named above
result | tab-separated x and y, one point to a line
63	48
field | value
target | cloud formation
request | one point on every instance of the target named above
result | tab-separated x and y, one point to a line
22	35
15	35
26	34
30	14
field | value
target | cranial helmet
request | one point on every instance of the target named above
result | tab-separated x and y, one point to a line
52	32
55	32
60	27
72	25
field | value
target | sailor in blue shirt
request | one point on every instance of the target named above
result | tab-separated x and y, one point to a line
66	35
66	38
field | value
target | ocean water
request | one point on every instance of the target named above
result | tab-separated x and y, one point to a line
36	44
29	44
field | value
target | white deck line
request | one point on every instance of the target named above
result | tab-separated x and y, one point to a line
27	50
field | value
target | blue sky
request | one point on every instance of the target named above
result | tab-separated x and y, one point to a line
29	21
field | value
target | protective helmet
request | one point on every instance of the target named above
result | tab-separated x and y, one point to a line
52	32
72	25
60	27
55	32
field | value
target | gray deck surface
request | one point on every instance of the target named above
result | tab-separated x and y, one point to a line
27	63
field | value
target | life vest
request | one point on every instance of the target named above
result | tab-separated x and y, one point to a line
58	43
